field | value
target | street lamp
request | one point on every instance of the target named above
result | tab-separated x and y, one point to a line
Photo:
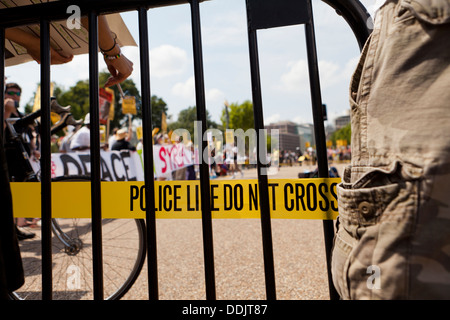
226	113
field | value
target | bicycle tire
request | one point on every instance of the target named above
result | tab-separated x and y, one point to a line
75	259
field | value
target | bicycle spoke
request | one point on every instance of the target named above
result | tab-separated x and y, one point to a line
122	250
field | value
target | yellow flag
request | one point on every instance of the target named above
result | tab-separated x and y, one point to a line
139	132
37	97
102	134
54	117
155	131
163	122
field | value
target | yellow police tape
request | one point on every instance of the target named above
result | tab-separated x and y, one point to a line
238	199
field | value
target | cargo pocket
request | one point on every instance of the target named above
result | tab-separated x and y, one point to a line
342	247
434	12
376	216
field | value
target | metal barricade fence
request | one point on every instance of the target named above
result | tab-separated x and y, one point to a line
289	12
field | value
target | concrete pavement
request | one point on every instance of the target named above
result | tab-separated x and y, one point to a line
299	256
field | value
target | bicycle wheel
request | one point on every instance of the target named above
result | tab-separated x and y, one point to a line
124	251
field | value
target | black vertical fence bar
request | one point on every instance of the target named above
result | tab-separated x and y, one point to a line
266	227
46	202
319	133
152	261
208	249
95	158
2	79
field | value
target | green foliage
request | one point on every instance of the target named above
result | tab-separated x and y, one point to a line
77	97
240	116
129	89
345	133
187	118
158	107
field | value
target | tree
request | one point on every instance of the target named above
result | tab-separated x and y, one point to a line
187	118
129	89
240	116
77	97
158	107
345	133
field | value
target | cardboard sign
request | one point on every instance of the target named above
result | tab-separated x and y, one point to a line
129	105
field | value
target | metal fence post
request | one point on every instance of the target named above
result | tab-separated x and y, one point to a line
208	247
319	133
46	200
2	79
95	158
152	261
266	226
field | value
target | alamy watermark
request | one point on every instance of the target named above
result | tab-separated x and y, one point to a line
247	144
374	280
74	277
74	20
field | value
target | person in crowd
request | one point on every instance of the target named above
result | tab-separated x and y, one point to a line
121	142
54	147
11	268
64	146
113	138
13	94
234	164
81	140
190	170
159	140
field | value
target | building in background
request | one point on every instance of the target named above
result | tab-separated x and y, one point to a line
293	136
341	121
306	133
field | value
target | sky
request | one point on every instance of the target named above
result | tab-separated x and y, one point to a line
282	55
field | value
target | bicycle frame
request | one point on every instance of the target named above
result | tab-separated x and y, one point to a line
15	150
15	142
20	161
71	246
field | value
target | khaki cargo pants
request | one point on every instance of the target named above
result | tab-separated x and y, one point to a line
393	239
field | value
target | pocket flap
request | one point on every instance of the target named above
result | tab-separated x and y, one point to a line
430	11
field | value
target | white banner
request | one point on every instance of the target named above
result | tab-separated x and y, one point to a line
122	165
171	157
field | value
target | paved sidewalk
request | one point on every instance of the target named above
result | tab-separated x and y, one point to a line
299	254
284	172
